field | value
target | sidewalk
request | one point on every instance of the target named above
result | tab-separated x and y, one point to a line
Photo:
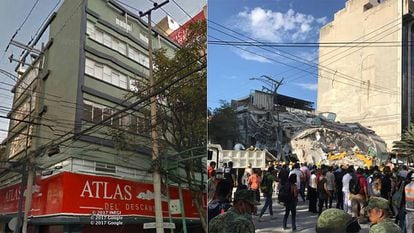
305	221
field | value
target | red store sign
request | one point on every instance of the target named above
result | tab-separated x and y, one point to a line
78	194
180	35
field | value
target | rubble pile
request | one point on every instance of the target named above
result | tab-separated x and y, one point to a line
313	144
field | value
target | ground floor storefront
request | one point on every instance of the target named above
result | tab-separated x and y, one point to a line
71	202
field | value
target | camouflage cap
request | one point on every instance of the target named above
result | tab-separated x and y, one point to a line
333	220
246	195
377	202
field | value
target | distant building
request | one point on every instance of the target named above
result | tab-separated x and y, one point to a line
167	25
258	116
369	79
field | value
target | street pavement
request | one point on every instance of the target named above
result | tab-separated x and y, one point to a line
305	221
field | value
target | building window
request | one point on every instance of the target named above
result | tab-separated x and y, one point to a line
18	143
90	29
118	45
103	167
139	57
123	83
123	24
143	38
90	67
122	47
107	40
97	114
99	35
107	112
106	73
125	121
87	111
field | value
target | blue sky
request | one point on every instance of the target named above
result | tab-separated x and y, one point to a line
279	21
13	13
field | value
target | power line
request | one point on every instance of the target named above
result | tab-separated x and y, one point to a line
295	67
185	12
18	29
295	58
312	45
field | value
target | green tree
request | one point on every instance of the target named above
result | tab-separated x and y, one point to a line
182	110
405	147
223	125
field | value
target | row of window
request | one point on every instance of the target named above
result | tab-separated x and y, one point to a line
27	79
18	143
116	44
95	112
112	76
24	109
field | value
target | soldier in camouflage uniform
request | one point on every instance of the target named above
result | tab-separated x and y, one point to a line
238	219
336	221
378	209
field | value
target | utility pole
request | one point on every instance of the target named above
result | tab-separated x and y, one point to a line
274	86
28	170
159	225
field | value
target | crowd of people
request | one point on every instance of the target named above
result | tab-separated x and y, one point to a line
335	193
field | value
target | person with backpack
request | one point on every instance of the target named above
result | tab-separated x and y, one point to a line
267	189
386	185
359	194
300	178
290	200
230	176
220	203
323	192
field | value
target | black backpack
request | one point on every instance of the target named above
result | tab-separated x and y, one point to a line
264	185
354	185
285	194
217	207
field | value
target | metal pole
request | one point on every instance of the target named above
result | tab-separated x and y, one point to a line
159	225
28	203
30	170
21	196
180	192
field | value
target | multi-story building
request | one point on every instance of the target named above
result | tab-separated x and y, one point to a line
367	76
97	53
261	113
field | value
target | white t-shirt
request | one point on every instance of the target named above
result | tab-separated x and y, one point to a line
298	174
312	181
345	182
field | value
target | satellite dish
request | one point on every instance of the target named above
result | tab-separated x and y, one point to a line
12	223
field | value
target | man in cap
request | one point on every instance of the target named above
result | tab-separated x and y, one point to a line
409	205
378	210
238	219
336	221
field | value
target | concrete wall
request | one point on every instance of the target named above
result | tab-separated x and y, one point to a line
363	83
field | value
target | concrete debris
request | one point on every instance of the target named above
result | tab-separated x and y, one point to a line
311	138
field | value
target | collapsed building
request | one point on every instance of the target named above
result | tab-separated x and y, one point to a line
292	131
